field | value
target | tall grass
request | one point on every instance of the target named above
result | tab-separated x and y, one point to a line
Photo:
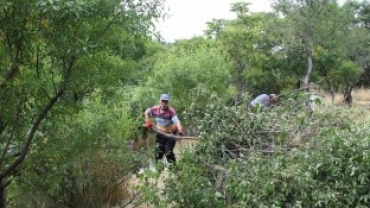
361	96
360	110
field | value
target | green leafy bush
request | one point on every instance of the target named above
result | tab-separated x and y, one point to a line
285	156
78	157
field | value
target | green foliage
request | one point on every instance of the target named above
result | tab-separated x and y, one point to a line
283	156
83	54
100	70
187	73
318	33
243	41
346	74
80	157
55	54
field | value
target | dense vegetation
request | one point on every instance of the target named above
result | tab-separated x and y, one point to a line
75	77
285	157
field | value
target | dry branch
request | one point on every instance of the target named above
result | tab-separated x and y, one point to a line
176	137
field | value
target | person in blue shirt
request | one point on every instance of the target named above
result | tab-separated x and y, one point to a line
264	100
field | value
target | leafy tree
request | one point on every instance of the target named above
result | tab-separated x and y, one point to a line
73	165
44	48
345	48
186	70
241	39
361	52
308	23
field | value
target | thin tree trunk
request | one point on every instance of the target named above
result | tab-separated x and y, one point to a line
309	70
348	95
332	96
306	80
239	87
239	67
2	195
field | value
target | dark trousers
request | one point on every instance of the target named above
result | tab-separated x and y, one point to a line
164	146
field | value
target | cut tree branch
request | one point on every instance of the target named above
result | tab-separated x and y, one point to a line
172	136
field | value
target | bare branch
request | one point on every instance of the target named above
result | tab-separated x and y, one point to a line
172	136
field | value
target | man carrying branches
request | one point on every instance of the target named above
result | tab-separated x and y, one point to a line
166	121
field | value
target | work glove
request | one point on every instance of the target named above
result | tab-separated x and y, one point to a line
148	124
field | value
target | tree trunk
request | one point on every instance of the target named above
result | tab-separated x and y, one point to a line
240	66
332	92
2	195
309	70
348	95
306	81
239	87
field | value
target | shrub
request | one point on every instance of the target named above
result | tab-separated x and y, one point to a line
285	156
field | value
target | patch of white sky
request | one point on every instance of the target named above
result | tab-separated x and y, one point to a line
188	18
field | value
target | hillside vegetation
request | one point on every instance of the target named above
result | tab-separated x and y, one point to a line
76	77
